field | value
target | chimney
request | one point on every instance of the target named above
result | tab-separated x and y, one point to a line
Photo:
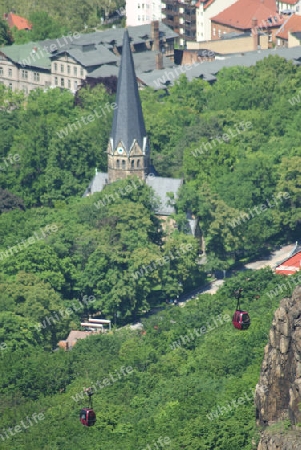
255	33
155	34
159	61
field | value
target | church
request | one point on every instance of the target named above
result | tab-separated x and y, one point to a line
128	147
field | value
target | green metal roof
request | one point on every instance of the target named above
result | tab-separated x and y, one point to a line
26	55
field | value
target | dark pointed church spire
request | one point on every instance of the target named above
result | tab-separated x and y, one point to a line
128	122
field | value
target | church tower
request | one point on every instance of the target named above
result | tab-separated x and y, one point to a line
128	148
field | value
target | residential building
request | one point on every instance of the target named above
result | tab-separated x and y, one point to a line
192	18
18	76
245	15
68	61
17	21
205	9
291	25
141	12
180	16
288	6
228	44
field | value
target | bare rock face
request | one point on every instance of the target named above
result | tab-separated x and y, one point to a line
278	393
286	441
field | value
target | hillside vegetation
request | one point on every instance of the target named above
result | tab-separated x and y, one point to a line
179	383
58	248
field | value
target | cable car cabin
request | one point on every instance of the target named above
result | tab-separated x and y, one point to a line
87	417
241	320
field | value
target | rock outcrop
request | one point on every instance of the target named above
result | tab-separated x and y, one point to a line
286	441
278	393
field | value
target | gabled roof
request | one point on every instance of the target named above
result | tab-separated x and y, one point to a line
162	186
240	14
30	55
97	184
128	122
17	21
290	265
96	56
292	25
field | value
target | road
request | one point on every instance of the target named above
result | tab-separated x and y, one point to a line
272	261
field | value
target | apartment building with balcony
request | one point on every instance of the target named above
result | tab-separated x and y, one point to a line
180	16
141	12
192	18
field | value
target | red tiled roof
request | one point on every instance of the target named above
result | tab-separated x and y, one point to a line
290	266
240	14
17	21
292	24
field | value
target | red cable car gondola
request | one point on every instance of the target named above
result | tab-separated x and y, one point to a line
241	319
87	416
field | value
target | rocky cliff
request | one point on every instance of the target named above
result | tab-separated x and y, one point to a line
278	393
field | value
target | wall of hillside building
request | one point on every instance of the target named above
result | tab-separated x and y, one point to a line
292	41
23	78
141	12
217	30
67	73
203	16
229	46
64	72
284	6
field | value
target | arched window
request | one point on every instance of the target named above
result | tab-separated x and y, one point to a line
138	162
123	164
118	164
132	164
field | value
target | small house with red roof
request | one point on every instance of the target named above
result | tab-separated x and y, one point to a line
290	266
245	15
285	36
17	21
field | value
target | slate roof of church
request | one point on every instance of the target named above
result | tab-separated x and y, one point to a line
162	186
128	122
128	125
97	184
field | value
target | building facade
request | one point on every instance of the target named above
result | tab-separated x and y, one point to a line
180	16
245	16
204	11
141	12
191	19
69	61
286	6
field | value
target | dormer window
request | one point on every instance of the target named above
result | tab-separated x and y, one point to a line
138	163
132	164
118	164
123	164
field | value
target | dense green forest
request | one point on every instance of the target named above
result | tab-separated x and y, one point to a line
181	379
54	18
57	248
